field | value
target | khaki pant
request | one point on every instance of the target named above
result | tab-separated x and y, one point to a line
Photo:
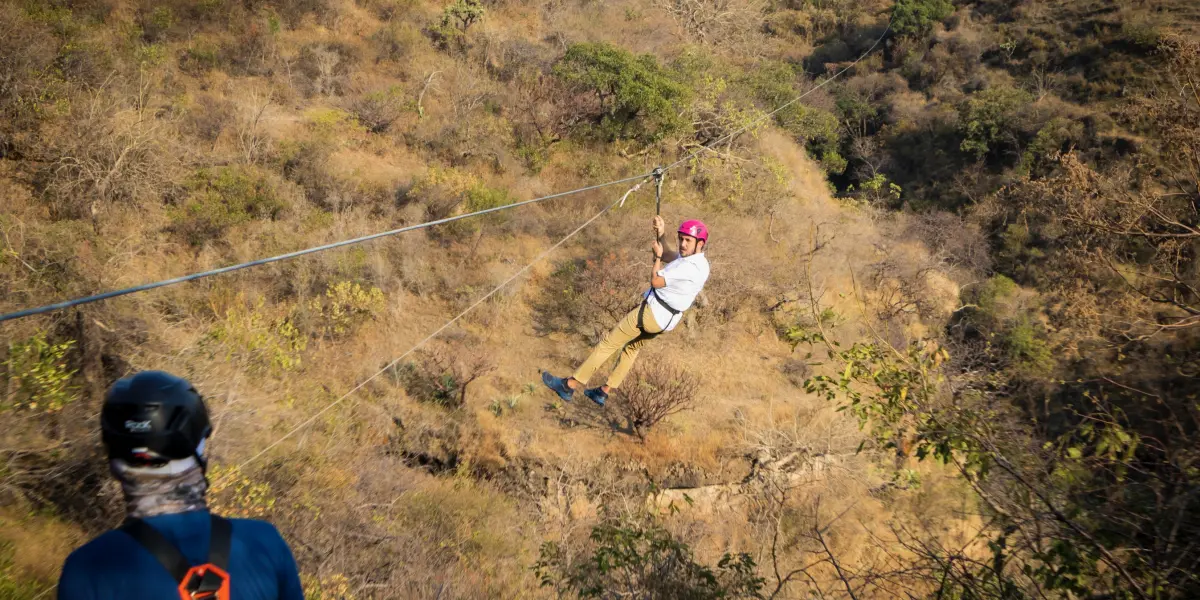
625	337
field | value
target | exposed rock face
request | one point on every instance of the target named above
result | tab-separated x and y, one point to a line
792	469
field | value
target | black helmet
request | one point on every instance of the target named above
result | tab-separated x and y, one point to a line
153	417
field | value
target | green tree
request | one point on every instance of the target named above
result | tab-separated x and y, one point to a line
1070	512
1042	152
1026	346
457	18
915	18
463	14
989	119
638	98
819	131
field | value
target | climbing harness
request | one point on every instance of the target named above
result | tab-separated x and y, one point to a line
641	325
209	581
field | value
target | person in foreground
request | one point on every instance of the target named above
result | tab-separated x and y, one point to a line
154	426
673	289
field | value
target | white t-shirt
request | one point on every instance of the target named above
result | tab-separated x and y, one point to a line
685	278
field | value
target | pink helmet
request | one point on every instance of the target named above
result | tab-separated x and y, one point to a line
694	228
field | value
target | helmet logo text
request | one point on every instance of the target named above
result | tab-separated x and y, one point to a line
137	426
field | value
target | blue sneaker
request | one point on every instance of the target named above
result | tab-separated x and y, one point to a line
596	395
559	385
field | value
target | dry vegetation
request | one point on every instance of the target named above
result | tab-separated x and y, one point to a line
977	247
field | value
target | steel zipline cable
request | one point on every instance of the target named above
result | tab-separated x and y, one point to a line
262	261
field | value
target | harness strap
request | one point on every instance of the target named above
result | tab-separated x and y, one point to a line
670	309
175	562
641	324
220	543
167	554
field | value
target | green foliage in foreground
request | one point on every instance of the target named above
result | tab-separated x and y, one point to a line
38	374
1052	536
13	587
632	561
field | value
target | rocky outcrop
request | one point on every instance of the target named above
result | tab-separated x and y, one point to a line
792	469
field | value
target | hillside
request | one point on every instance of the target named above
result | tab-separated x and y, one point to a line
948	348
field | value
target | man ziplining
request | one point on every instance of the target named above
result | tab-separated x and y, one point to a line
673	289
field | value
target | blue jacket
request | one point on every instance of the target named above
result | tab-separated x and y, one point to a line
115	567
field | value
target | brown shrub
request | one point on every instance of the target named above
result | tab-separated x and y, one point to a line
519	57
441	379
379	109
728	24
293	12
658	390
796	371
158	22
254	49
386	10
108	154
905	292
201	56
730	291
395	41
308	164
951	239
208	117
87	59
326	68
224	197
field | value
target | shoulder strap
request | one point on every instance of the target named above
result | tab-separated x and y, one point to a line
157	544
220	543
170	557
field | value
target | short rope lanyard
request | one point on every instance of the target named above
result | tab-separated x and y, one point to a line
658	174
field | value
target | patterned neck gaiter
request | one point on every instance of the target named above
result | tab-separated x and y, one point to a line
176	487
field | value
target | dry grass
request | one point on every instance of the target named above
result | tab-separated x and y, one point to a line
39	543
347	490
